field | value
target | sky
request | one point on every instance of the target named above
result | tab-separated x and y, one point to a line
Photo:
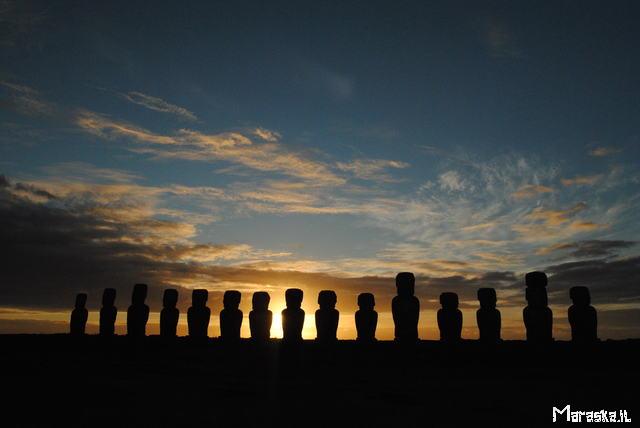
319	145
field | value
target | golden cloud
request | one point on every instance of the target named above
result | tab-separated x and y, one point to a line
229	146
530	191
582	180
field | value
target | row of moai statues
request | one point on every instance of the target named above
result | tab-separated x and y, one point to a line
538	318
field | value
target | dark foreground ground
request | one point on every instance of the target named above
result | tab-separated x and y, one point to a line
55	380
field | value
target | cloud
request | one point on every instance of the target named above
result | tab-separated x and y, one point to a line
80	171
158	104
267	135
603	151
589	249
610	281
530	191
470	201
582	180
229	146
111	228
372	169
547	224
75	240
54	250
451	181
104	127
26	100
556	217
88	236
587	226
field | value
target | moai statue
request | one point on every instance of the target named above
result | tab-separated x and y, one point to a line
231	316
138	312
366	318
79	316
488	317
108	312
199	314
582	316
260	316
169	314
405	308
292	316
538	318
449	318
327	316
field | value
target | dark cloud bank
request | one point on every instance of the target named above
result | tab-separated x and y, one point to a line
50	252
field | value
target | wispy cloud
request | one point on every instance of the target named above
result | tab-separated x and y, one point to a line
83	171
550	224
556	217
589	249
160	105
27	100
452	181
114	229
603	151
229	146
372	169
582	180
531	191
267	135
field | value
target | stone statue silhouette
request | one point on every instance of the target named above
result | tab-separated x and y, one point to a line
583	317
138	312
366	318
293	316
199	314
79	316
405	308
449	318
488	317
231	316
538	318
260	316
536	279
327	317
169	314
108	312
